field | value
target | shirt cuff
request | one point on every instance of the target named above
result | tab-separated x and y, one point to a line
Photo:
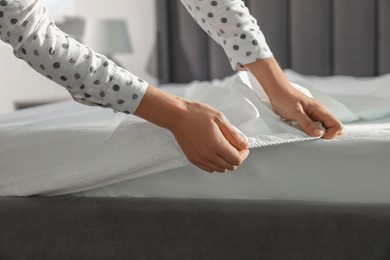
125	91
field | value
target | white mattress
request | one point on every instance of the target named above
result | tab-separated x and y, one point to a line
355	168
68	147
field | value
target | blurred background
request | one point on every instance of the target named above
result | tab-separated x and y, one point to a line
23	87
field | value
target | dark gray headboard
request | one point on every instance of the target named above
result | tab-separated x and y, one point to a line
315	37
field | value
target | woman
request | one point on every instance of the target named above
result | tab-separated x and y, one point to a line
92	79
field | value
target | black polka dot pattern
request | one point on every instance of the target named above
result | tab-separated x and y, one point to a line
92	70
95	80
116	88
52	51
89	77
230	24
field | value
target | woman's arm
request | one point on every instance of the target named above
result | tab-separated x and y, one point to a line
204	134
231	25
90	77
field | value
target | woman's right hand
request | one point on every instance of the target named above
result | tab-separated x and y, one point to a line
208	140
206	137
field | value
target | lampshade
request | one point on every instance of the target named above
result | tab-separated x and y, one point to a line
107	36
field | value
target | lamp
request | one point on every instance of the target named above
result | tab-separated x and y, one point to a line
108	37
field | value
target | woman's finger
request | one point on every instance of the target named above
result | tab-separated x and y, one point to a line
244	154
221	163
234	137
307	124
227	152
215	167
333	126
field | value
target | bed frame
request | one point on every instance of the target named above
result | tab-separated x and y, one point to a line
139	228
321	37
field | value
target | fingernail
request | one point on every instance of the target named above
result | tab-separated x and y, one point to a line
318	132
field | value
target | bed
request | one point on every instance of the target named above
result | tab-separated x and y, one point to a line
297	213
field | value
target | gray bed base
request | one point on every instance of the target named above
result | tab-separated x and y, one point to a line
145	228
321	37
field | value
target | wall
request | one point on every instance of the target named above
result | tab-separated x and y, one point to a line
20	83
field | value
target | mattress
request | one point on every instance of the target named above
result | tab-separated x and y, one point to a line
354	168
69	148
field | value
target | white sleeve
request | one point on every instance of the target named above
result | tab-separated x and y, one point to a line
231	25
90	77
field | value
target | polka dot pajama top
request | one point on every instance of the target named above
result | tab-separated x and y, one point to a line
90	77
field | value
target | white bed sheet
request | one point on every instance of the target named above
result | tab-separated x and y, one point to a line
355	168
60	152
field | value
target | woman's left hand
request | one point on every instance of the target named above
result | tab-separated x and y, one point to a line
306	111
291	104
